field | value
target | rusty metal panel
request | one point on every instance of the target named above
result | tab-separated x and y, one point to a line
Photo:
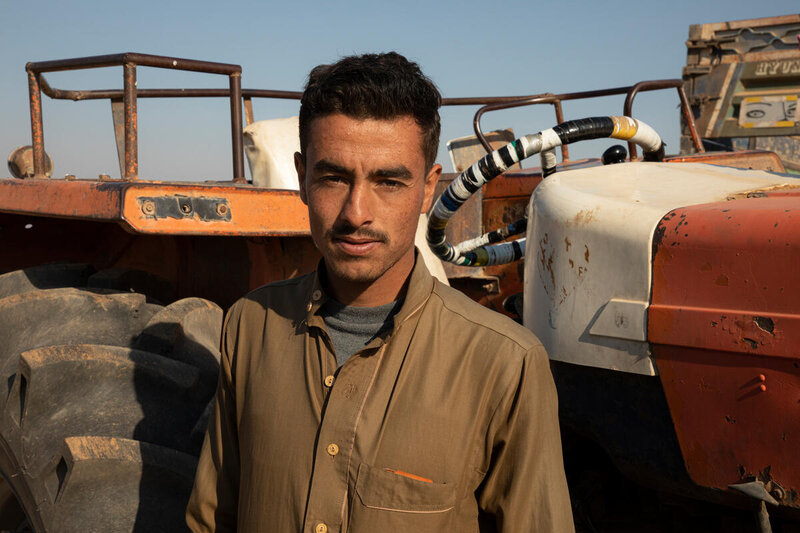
748	159
230	210
498	212
786	146
218	209
61	198
724	324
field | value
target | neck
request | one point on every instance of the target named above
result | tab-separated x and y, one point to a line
381	291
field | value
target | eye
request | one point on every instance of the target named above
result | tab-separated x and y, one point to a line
331	179
391	184
755	113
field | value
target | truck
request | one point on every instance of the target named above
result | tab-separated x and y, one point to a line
741	78
661	288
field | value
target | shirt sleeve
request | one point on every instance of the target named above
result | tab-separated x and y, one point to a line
214	500
525	488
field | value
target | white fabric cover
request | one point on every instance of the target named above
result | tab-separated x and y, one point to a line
270	146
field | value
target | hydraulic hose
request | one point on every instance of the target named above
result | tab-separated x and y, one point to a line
482	250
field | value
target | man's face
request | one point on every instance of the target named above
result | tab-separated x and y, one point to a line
365	184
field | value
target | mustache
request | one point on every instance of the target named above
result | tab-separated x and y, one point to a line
344	229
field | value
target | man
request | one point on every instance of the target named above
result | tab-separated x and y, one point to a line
367	396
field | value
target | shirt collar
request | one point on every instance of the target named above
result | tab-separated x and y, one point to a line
418	290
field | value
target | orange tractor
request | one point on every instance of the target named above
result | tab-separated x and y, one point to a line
113	289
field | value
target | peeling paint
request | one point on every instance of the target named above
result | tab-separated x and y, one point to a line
762	191
765	324
750	342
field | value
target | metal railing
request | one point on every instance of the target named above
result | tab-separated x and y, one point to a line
124	103
556	99
126	99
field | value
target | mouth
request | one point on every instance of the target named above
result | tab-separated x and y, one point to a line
355	246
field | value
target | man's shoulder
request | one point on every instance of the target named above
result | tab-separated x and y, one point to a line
473	319
284	295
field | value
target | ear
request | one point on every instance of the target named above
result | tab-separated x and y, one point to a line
300	167
430	186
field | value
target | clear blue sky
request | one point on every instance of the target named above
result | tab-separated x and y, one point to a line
467	49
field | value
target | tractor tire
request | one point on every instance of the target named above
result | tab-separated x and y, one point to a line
104	399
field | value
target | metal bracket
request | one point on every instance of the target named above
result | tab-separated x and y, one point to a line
178	206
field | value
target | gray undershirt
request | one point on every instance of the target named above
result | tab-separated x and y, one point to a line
351	328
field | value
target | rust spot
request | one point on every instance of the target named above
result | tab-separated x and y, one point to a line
681	222
764	323
658	237
571	263
586	254
584	216
566	241
546	260
706	267
722	280
750	342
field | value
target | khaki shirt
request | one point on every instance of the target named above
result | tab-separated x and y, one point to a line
447	422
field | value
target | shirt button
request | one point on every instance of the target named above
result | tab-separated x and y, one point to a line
329	381
321	528
316	295
333	449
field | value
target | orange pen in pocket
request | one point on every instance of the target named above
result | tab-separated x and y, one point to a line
408	475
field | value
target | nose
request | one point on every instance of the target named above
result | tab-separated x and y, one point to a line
357	208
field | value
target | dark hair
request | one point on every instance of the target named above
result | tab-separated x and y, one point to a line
378	86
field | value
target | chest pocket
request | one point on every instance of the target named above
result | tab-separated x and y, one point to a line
384	490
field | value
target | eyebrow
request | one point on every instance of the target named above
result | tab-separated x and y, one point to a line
323	165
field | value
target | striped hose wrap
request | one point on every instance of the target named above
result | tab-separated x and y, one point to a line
493	237
483	251
464	186
499	254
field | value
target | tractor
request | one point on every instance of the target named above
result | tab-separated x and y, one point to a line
662	288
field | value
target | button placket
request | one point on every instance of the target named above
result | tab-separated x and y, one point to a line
329	484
